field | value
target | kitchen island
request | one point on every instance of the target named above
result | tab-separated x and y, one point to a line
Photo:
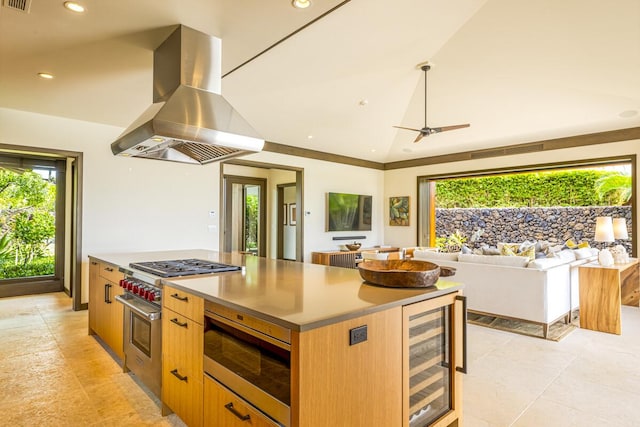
352	348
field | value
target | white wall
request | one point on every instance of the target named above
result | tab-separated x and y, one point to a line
321	177
128	204
146	205
403	182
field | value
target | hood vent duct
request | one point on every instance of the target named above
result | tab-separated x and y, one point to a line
189	121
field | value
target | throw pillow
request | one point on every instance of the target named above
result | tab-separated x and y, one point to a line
530	253
490	251
507	250
571	244
583	245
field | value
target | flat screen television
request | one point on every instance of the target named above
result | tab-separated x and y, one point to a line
348	212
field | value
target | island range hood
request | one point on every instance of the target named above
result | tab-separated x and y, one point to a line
189	121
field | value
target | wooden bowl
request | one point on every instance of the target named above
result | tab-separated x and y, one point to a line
353	246
398	273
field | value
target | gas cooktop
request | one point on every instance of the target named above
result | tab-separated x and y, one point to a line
182	267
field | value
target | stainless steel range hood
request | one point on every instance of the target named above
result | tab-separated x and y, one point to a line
189	121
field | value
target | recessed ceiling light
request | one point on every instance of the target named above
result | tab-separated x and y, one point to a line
363	102
47	76
301	4
74	7
407	150
373	150
310	137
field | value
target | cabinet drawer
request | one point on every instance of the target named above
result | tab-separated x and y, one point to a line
224	408
184	303
182	341
182	391
110	272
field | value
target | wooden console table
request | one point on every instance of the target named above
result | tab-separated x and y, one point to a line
603	290
345	259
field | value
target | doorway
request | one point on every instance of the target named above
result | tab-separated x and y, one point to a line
287	221
245	219
39	222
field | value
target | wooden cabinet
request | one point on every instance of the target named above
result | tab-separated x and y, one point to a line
432	362
105	314
182	350
346	259
603	290
224	408
337	383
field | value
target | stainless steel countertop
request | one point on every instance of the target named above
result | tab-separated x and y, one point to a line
299	296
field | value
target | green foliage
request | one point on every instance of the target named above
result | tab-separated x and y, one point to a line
535	189
38	267
614	188
251	222
453	243
27	218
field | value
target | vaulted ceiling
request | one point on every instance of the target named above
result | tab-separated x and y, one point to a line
516	70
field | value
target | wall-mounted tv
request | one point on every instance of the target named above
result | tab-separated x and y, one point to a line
348	212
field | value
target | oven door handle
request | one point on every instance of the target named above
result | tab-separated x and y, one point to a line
154	315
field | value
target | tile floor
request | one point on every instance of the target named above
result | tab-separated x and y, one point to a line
52	374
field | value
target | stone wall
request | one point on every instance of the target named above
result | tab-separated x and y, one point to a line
555	224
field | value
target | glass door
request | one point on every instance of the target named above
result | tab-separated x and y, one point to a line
431	383
245	215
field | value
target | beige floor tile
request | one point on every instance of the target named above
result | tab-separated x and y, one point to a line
594	399
545	412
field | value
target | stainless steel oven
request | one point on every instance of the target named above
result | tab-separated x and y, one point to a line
142	334
251	357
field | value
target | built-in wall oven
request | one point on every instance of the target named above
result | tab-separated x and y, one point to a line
142	334
251	357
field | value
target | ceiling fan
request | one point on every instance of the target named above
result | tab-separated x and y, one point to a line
426	131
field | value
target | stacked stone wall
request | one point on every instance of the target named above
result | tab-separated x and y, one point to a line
554	224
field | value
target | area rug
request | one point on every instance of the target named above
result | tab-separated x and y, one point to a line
557	331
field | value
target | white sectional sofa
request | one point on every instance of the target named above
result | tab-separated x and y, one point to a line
542	291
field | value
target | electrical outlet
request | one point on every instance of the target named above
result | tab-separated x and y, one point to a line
357	335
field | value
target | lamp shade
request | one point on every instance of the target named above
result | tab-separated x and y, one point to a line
604	229
620	229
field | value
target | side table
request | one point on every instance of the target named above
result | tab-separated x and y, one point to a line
603	290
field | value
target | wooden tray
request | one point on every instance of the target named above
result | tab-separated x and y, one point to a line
398	273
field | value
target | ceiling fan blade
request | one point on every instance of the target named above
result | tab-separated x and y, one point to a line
420	136
454	127
400	127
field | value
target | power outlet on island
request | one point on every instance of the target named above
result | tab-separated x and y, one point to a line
358	335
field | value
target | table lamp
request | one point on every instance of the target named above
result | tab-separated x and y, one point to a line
620	229
604	233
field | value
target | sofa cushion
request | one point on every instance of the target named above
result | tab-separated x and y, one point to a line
584	253
509	261
435	256
544	263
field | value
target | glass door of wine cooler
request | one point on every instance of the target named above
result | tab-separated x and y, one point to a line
431	384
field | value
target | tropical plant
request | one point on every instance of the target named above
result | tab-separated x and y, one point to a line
615	188
5	246
452	243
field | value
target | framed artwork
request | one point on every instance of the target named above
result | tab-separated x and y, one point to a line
285	211
399	210
292	214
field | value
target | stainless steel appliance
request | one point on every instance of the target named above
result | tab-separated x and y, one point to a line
142	299
251	357
189	120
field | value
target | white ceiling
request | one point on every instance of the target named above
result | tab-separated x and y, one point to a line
516	70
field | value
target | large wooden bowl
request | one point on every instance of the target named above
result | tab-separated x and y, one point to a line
398	273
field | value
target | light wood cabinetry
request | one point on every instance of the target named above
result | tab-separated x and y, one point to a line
224	408
603	290
105	314
338	384
432	362
182	350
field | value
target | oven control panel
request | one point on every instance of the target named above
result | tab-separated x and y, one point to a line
142	289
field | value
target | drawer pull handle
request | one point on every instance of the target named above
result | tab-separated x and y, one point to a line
178	376
235	412
109	269
178	297
177	322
